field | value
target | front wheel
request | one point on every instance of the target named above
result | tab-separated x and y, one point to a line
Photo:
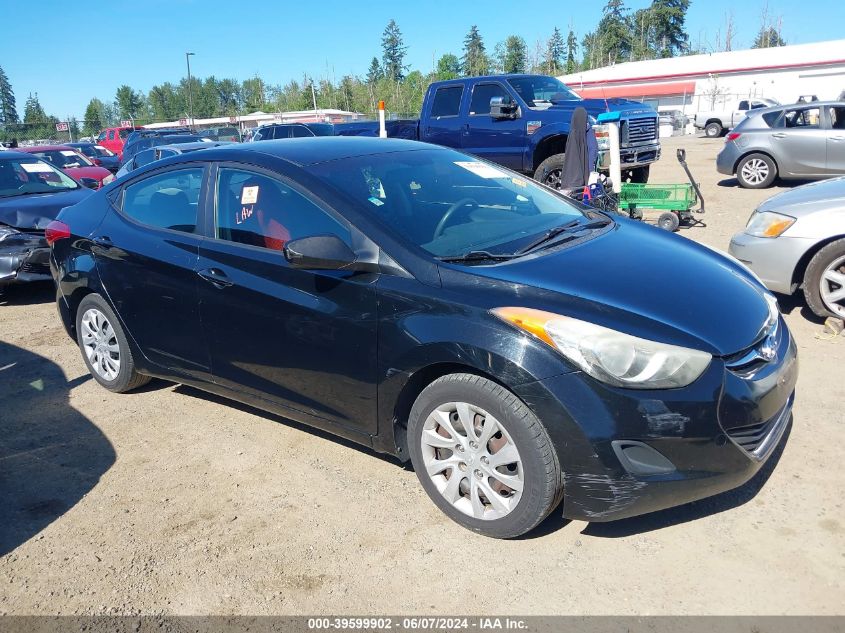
549	171
824	281
483	457
756	171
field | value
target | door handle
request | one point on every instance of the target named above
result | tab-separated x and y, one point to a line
103	241
779	135
215	276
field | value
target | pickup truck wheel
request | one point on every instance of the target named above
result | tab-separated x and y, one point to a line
548	172
756	171
713	130
824	281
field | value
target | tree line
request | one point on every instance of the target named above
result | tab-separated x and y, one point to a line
621	35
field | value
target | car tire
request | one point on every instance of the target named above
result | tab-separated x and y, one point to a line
820	283
478	500
713	130
668	221
104	347
756	171
549	171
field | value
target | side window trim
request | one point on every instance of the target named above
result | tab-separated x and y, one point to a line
118	200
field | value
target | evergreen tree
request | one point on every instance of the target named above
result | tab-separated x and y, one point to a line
666	18
768	37
611	42
474	61
555	51
8	108
129	103
374	73
33	112
515	55
448	67
393	52
93	122
571	53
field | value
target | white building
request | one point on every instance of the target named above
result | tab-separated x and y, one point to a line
321	115
716	80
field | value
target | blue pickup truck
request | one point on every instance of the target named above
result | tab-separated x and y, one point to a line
519	121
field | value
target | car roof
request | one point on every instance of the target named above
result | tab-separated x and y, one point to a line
16	154
194	145
41	148
808	104
320	149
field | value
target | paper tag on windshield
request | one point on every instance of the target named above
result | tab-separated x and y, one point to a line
36	168
481	169
67	152
249	195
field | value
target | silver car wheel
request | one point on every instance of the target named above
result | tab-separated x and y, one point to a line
832	287
99	342
755	171
472	460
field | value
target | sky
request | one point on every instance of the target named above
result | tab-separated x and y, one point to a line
70	53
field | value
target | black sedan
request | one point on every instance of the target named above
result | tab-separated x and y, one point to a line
98	155
520	350
32	192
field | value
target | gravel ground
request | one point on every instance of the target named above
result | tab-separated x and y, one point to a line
172	501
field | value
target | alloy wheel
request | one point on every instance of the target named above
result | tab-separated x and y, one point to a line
99	342
755	171
832	287
472	460
552	178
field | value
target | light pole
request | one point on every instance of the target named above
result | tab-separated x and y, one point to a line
190	95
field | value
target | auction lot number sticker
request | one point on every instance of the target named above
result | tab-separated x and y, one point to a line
417	624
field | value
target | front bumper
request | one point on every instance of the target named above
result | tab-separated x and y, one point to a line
773	259
23	259
632	157
715	434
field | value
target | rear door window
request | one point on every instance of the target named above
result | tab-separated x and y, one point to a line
804	118
111	135
165	200
447	101
300	131
837	117
773	119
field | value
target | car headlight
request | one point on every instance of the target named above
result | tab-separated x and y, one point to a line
612	357
108	179
768	224
6	231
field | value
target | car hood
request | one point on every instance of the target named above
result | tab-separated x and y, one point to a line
97	173
596	106
35	211
646	282
816	196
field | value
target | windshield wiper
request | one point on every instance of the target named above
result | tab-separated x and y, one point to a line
574	226
477	256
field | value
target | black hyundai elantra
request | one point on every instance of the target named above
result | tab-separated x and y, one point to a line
518	348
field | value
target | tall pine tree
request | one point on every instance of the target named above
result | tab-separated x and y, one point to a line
8	108
571	53
393	52
475	61
515	55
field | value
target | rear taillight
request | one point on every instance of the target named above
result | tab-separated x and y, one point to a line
732	136
56	231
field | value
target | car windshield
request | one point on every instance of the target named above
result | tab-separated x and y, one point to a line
99	150
64	158
542	92
451	204
22	176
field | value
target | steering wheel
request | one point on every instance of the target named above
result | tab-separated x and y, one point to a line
441	226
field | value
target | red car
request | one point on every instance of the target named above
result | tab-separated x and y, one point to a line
72	163
113	138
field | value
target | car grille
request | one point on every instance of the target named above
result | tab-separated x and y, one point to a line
641	130
759	439
36	268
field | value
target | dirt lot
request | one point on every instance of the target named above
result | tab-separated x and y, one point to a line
172	501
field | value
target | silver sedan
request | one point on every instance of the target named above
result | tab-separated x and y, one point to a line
800	141
796	239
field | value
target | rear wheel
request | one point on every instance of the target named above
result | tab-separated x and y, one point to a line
824	281
549	171
104	347
668	221
756	171
483	457
713	129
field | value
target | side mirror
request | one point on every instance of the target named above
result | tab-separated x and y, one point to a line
320	252
503	108
90	183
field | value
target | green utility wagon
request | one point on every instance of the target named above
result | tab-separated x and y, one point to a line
677	202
